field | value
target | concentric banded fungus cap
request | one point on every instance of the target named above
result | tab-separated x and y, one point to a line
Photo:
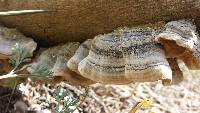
177	74
124	56
11	37
145	60
178	37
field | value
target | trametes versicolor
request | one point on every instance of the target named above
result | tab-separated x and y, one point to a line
126	55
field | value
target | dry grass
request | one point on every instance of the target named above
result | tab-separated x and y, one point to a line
181	98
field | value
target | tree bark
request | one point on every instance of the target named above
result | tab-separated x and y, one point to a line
77	20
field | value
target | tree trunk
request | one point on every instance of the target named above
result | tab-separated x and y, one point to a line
77	20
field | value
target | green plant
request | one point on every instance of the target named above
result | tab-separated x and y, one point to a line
65	103
41	72
19	55
19	58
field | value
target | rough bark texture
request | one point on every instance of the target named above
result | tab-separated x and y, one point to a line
76	20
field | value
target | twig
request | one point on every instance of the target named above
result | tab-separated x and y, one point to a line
21	12
20	75
83	100
5	96
15	86
135	107
9	75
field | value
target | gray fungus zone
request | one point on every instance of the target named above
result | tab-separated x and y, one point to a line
127	55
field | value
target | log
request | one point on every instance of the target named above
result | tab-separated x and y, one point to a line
78	20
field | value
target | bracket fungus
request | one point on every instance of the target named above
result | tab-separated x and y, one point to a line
79	55
10	37
177	37
180	40
55	60
125	56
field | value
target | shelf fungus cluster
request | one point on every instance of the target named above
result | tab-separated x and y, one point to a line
55	60
126	55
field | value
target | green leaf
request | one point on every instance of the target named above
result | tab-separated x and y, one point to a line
42	72
19	55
